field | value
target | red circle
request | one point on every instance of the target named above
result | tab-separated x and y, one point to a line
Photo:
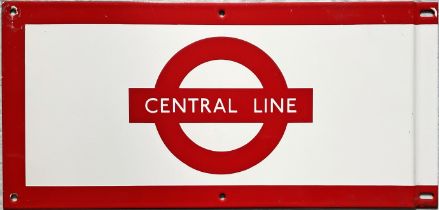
271	78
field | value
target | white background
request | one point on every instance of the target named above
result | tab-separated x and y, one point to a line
78	76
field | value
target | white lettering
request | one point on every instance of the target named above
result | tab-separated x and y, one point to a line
175	104
219	105
163	105
205	105
255	106
193	100
230	107
291	103
273	104
146	105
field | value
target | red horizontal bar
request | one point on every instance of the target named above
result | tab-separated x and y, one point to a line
292	13
219	105
235	196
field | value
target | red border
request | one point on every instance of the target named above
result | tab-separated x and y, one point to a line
185	13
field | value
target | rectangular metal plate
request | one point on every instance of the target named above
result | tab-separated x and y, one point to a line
153	105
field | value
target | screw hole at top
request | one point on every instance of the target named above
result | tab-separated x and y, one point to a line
427	13
222	196
221	13
13	197
13	11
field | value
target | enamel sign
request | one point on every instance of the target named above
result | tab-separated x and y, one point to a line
213	105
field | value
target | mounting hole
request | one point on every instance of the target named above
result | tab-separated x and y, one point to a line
426	196
222	196
13	11
427	13
13	197
221	13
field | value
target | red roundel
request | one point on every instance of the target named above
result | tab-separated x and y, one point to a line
274	124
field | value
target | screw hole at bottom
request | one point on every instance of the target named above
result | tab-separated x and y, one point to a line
222	196
426	196
13	197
